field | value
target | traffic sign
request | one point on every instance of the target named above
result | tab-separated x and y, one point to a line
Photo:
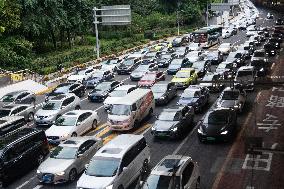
220	6
116	15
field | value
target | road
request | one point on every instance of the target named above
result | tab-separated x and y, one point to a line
210	157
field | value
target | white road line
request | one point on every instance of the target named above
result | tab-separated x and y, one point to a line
146	131
99	108
25	183
38	187
125	79
40	104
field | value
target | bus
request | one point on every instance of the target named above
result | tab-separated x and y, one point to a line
207	36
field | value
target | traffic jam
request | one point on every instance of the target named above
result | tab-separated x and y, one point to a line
168	115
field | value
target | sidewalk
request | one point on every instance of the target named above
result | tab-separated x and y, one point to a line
244	171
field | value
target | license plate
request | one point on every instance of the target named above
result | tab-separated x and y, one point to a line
46	178
210	138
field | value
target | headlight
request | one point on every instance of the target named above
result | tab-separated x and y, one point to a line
64	136
237	106
38	171
199	131
174	129
224	132
60	173
109	187
261	70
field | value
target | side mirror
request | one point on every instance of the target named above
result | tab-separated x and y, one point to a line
79	155
78	123
86	166
62	107
124	169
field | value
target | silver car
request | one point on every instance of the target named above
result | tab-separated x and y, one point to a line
18	97
25	110
56	107
68	160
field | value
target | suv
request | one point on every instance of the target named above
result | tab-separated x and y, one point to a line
55	107
18	97
11	123
25	110
21	151
174	171
117	164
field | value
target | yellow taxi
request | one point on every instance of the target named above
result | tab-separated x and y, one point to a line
185	77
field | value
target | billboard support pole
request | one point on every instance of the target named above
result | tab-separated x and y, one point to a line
97	32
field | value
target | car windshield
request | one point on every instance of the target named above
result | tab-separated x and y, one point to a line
169	116
142	68
182	75
208	77
217	118
166	56
259	54
176	62
118	93
102	86
64	152
98	74
161	182
4	113
8	98
159	88
149	77
52	105
128	62
189	94
66	121
177	40
180	49
120	109
221	66
244	73
103	167
198	65
230	95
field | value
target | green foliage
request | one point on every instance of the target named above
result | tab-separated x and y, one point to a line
9	15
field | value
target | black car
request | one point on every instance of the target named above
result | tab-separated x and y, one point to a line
173	122
237	58
269	16
277	36
102	90
279	21
218	124
20	152
213	81
180	41
177	64
151	55
201	67
11	123
275	42
214	57
98	77
164	92
164	60
63	88
127	66
261	62
270	49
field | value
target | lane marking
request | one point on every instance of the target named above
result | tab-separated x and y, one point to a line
141	129
110	137
26	182
38	187
104	131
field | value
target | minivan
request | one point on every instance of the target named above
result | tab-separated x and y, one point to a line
128	112
245	77
117	164
11	123
20	152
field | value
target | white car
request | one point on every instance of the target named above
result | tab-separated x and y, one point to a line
72	124
226	33
81	76
225	48
194	47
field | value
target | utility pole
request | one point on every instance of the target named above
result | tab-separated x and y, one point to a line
207	13
97	33
178	5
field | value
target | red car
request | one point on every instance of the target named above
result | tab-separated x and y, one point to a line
150	78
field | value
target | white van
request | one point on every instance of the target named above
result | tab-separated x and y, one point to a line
129	111
245	77
117	164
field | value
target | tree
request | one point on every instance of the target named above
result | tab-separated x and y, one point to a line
9	15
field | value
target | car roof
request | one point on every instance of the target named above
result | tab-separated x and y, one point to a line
75	113
76	141
61	97
14	93
9	119
12	106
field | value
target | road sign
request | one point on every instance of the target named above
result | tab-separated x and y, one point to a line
116	15
220	6
17	77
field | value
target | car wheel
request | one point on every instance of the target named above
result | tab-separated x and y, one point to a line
31	116
74	135
241	108
136	124
198	183
94	125
40	159
82	93
77	108
145	168
120	187
72	175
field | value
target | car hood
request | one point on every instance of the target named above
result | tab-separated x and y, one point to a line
162	60
174	67
158	95
5	103
138	73
111	100
94	80
97	92
42	112
227	103
52	165
187	101
212	129
192	59
118	117
164	125
58	130
146	82
87	181
206	84
223	49
222	70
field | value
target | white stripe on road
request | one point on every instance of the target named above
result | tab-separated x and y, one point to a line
38	187
25	183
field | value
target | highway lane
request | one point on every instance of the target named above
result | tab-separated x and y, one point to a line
209	156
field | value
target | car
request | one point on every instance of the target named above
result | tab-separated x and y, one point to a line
194	97
275	42
98	77
213	81
151	55
128	65
247	48
232	98
250	44
117	94
255	39
180	52
185	77
53	108
179	41
76	88
21	152
80	76
225	48
164	60
71	124
245	78
176	65
25	110
194	56
164	92
18	97
251	31
111	64
141	70
174	171
270	49
226	33
173	122
201	67
117	164
228	69
278	36
102	90
279	21
9	124
214	57
269	16
237	58
194	47
150	78
261	62
68	160
218	124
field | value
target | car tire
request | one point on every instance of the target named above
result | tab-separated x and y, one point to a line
39	159
94	124
120	187
136	124
77	108
74	135
30	117
150	113
198	183
72	175
241	109
82	93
